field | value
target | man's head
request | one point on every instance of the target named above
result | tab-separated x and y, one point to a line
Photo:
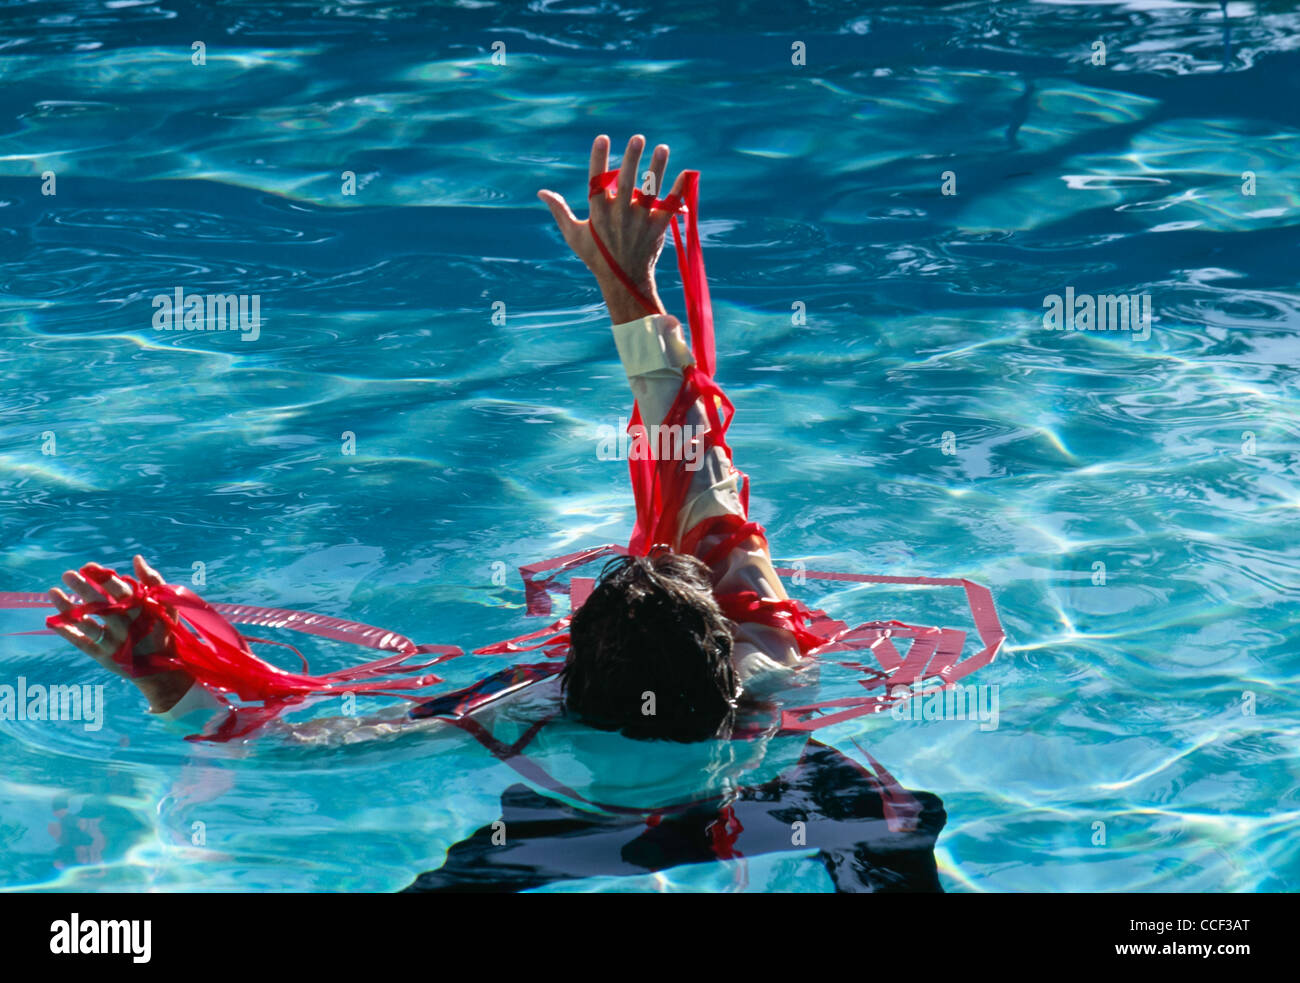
652	637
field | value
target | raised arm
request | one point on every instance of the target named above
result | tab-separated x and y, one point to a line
654	353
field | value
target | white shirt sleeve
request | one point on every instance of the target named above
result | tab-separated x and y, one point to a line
654	354
653	351
193	711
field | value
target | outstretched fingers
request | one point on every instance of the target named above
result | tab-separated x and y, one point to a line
81	632
561	212
78	637
96	637
117	588
627	170
82	587
658	164
106	577
599	162
665	215
97	640
630	239
151	577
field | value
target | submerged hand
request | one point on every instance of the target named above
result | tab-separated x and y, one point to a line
633	234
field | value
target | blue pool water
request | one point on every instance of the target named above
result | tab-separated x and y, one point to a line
1148	723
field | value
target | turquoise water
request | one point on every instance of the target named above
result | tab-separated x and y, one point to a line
1160	702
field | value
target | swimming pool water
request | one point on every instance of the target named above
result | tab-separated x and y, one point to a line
902	409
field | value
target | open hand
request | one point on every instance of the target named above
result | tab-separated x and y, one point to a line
633	234
101	638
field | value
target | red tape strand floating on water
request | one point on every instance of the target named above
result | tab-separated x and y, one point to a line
456	707
935	653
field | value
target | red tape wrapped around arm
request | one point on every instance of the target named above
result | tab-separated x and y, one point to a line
660	491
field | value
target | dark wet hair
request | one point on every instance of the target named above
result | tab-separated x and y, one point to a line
653	626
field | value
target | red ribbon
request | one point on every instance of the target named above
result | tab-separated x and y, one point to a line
203	644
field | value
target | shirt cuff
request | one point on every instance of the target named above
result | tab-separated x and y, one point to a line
760	674
651	343
193	711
